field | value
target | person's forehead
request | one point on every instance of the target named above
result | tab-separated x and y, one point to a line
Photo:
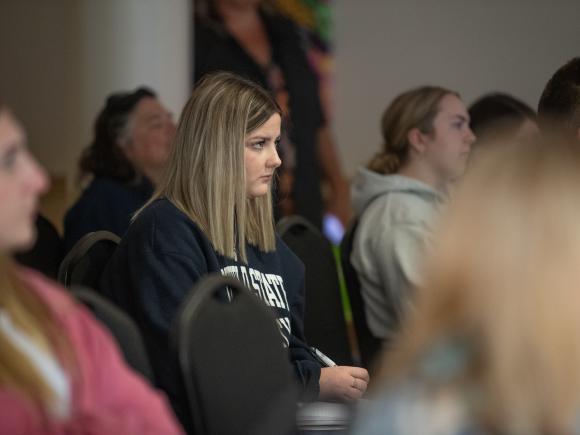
451	105
270	127
10	130
147	107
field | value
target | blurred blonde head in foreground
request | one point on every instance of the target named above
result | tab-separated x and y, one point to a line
504	289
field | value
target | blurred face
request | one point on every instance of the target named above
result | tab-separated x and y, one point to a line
21	183
261	157
447	149
151	132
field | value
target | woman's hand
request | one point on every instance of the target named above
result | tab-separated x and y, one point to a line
343	383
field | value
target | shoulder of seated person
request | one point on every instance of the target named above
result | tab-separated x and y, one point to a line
163	214
110	189
107	183
402	208
164	220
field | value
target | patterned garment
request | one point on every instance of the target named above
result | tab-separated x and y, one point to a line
411	409
425	403
429	402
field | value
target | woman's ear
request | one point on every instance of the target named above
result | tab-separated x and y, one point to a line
416	140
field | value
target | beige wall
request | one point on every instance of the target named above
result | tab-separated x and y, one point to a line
474	46
60	59
32	82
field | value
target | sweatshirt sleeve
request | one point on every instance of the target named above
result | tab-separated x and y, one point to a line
161	279
165	259
306	368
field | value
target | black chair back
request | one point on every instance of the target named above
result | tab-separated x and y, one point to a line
121	327
235	368
324	321
368	344
47	252
86	261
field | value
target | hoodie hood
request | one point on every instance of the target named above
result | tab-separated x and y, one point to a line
368	185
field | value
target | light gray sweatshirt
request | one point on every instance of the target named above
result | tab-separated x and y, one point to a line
396	215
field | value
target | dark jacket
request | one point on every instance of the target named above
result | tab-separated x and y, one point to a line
106	204
159	260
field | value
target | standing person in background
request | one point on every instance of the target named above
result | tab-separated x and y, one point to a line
427	141
559	107
126	159
247	38
60	372
492	346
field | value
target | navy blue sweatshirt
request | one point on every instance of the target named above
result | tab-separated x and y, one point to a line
159	260
106	204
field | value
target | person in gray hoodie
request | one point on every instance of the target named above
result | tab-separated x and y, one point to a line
397	198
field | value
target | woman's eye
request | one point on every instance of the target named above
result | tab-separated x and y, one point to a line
9	160
258	145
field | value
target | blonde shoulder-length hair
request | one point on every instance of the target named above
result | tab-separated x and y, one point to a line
206	178
505	281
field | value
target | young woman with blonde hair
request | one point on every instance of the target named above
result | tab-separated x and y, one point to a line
492	346
213	213
60	372
427	140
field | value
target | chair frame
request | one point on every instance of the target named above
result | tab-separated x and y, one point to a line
181	335
79	250
284	226
137	356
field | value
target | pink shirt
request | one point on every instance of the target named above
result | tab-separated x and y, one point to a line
107	397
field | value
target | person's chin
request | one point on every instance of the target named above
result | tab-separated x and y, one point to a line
259	191
25	240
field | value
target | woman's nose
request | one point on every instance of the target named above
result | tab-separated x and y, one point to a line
274	160
470	136
36	178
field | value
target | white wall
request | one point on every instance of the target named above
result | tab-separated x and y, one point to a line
384	47
123	44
